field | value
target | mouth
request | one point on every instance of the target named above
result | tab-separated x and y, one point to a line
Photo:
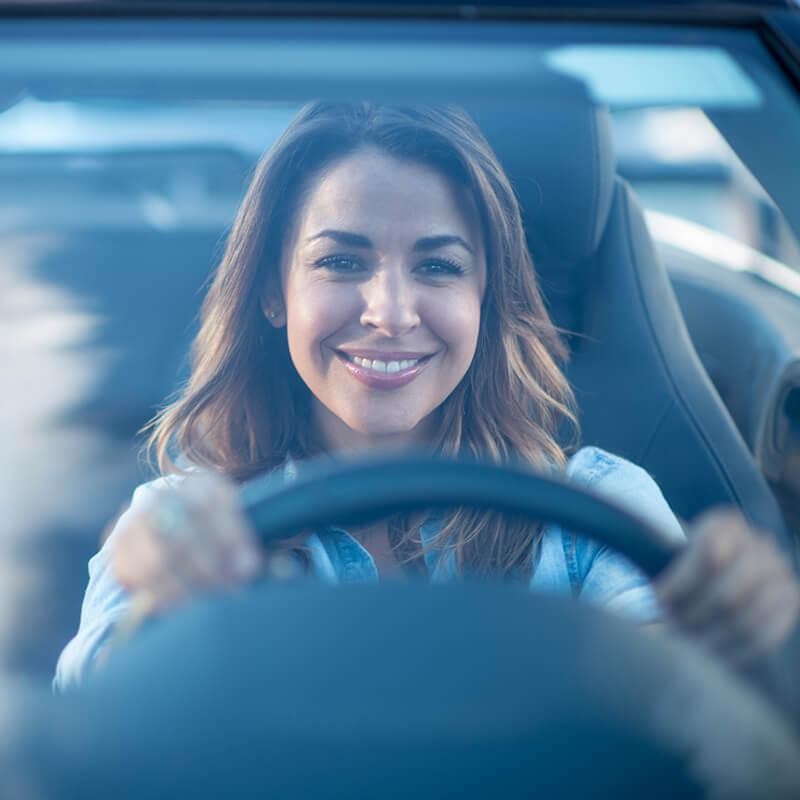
390	372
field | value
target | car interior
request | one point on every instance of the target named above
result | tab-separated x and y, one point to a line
680	363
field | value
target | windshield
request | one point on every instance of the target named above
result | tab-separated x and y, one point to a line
126	149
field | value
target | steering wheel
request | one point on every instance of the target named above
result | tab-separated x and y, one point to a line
469	690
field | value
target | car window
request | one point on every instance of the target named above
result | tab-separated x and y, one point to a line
694	186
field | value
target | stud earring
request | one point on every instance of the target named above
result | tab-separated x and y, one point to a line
271	314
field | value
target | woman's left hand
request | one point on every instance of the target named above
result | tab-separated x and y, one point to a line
731	590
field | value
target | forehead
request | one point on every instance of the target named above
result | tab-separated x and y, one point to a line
373	192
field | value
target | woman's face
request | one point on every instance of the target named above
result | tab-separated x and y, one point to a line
382	286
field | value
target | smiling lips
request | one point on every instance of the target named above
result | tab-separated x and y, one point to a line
384	370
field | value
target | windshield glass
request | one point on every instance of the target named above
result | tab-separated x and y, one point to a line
126	149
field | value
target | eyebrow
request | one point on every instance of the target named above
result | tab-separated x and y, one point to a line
433	242
424	245
343	237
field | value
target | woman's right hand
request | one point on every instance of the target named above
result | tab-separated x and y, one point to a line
183	540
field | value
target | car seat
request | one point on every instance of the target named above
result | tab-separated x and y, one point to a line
641	389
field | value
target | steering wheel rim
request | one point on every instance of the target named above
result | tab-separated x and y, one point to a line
355	492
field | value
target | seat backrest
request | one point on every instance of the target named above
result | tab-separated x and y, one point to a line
641	389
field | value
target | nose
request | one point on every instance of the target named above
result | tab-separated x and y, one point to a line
390	303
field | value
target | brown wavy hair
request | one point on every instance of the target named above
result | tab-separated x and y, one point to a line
245	410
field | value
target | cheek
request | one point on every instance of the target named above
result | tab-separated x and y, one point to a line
314	312
457	323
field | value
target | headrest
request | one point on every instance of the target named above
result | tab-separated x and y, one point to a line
558	153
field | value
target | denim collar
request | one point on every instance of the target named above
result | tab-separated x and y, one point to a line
338	557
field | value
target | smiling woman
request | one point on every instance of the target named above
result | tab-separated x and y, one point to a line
326	243
376	293
327	264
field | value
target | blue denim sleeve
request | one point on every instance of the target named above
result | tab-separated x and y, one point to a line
104	604
606	577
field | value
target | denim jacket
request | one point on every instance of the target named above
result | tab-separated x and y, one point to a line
566	563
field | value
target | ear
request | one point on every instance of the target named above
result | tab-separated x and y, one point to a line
272	306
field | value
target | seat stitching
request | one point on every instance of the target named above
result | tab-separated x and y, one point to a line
657	428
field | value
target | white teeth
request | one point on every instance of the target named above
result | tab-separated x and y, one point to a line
384	366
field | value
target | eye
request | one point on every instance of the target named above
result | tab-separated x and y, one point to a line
441	267
340	263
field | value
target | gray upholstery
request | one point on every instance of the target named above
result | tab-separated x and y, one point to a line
641	388
559	156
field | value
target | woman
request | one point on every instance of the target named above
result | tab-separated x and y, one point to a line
377	294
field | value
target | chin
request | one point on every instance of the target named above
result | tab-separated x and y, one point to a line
380	427
380	430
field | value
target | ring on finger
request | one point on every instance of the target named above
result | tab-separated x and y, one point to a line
172	517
